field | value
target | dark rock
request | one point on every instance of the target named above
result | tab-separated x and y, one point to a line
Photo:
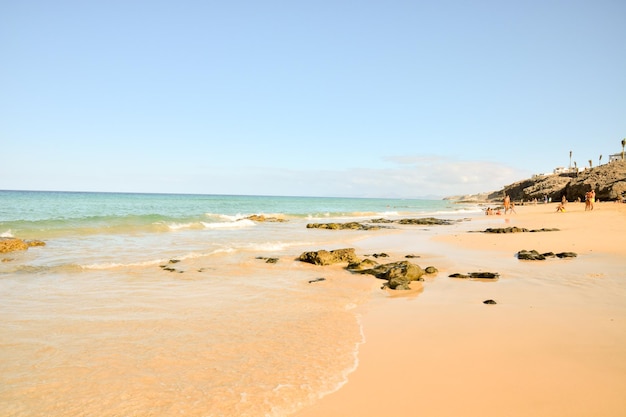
324	257
506	230
476	275
430	221
412	256
431	270
399	270
489	302
317	280
268	260
531	255
262	218
380	255
484	275
398	283
361	265
174	261
342	226
517	230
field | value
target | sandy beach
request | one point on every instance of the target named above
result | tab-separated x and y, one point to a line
553	345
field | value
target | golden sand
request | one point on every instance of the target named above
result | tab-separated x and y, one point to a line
553	345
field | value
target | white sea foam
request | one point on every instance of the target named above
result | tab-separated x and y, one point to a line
114	265
7	234
179	226
226	217
390	213
355	362
229	225
273	246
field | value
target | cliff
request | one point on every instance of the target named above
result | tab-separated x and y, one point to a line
609	182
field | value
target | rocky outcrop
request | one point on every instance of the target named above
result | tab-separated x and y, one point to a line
262	218
342	226
324	257
398	275
11	244
516	229
428	221
533	255
609	182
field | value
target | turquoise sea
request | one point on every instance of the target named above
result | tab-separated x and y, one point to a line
91	230
163	304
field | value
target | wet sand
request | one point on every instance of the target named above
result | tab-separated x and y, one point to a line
553	345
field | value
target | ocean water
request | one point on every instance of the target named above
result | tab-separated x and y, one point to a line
154	304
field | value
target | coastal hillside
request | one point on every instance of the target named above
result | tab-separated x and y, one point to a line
609	182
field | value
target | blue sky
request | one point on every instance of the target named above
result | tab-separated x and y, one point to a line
332	98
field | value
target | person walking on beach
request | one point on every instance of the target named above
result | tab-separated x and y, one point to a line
507	203
590	197
593	198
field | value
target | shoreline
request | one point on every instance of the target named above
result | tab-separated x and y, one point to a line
554	345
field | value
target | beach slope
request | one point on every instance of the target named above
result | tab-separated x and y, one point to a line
554	344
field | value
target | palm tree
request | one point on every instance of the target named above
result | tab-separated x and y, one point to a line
590	163
570	158
600	160
623	144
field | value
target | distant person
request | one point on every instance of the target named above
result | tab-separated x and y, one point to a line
563	200
560	208
512	208
590	197
507	203
593	198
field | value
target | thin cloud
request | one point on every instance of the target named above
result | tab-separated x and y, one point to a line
408	177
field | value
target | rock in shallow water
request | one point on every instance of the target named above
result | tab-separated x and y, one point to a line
11	244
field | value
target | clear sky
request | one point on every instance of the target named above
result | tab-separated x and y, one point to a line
322	98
